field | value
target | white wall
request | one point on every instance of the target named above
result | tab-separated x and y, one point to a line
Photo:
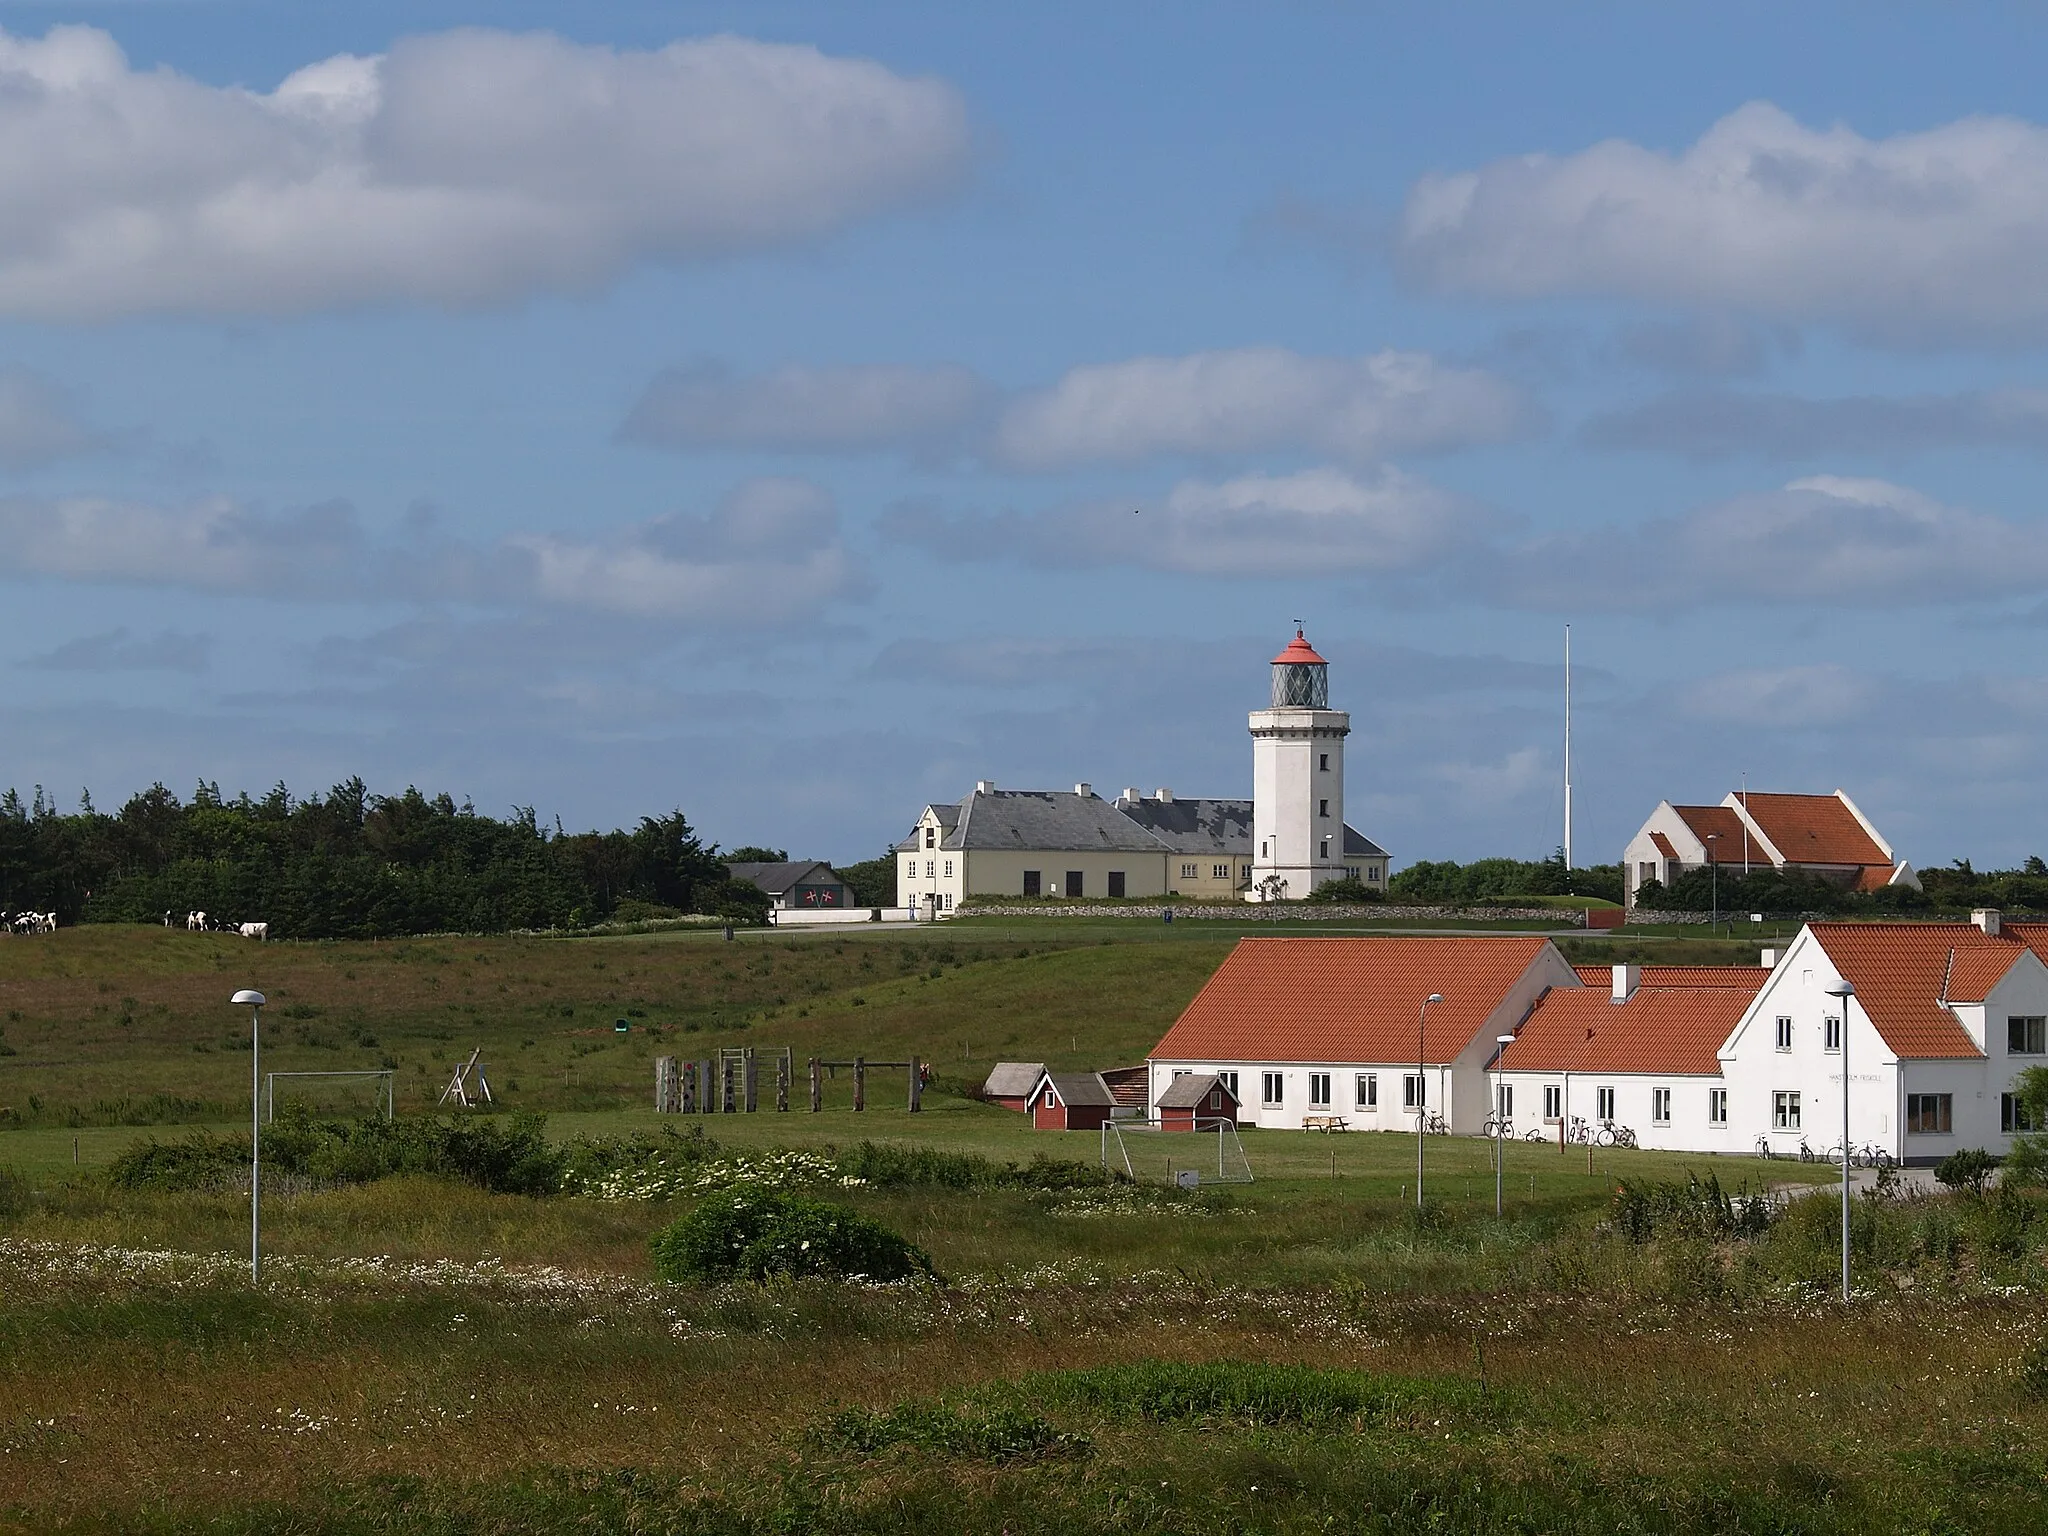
1690	1129
1289	786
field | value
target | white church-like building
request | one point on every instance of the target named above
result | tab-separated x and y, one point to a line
1283	843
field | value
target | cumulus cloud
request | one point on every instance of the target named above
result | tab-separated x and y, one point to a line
1821	693
1920	237
1315	522
1255	399
117	650
462	167
799	409
1715	424
1824	540
771	550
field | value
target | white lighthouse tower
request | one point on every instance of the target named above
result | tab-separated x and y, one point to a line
1297	780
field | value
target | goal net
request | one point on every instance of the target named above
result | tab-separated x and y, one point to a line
1146	1150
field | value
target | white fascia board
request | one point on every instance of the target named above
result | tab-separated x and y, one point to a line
1891	857
1770	849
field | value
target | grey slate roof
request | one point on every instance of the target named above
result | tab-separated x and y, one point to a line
947	816
776	879
1358	846
1047	819
1078	1089
1189	1089
1195	826
1013	1079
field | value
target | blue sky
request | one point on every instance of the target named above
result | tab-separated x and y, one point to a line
795	412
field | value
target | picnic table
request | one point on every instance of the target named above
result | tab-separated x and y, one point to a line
1325	1123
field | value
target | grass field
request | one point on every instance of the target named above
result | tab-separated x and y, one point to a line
1298	1354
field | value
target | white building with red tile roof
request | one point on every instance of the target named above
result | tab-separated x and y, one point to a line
1689	1058
1821	835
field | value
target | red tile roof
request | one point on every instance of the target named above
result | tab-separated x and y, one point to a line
1677	1030
1663	845
1814	829
1899	970
1874	877
1749	976
1727	829
1342	1000
2033	935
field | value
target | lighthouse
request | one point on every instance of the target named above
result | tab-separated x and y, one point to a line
1297	780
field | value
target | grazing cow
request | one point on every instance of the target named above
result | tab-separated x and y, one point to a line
167	919
195	922
257	931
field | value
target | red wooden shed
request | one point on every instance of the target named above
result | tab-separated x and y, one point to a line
1197	1101
1071	1101
1011	1082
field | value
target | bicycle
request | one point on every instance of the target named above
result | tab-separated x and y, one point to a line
1875	1156
1625	1136
1764	1148
1806	1153
1491	1129
1580	1134
1434	1125
1536	1133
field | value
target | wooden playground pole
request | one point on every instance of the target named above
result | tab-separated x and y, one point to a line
860	1083
750	1078
782	1070
706	1105
817	1085
916	1085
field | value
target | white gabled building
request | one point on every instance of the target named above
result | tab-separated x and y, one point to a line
1820	835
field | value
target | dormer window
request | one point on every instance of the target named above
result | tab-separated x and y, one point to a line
931	837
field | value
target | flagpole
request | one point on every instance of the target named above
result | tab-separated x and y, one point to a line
1567	746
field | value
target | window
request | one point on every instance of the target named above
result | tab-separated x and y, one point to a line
1219	872
1265	848
1831	1033
1350	871
948	900
1073	882
1929	1114
1553	1101
1324	762
1033	884
1188	871
1368	1086
1116	882
1323	809
2026	1036
931	837
1604	1104
949	869
1228	1080
1645	873
1504	1100
1414	1092
1717	1106
1660	1106
1247	872
1784	1111
1373	873
1272	1091
1319	1090
1326	845
2012	1113
930	869
1784	1033
1052	1100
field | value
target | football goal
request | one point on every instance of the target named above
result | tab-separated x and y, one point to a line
1177	1156
382	1096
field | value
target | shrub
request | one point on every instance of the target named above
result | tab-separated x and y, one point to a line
757	1234
1966	1169
16	1195
1003	1432
886	1165
1698	1208
1347	892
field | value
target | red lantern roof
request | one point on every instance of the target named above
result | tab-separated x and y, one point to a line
1299	653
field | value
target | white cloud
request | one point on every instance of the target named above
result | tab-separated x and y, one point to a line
1795	697
462	167
1315	522
806	409
1255	399
1920	237
771	550
1824	540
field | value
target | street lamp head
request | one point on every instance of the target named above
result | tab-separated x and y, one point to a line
1503	1039
1842	989
1434	997
246	999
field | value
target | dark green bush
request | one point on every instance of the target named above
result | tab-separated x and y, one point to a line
591	1158
1966	1169
1643	1209
16	1195
1347	892
1003	1432
509	1155
758	1234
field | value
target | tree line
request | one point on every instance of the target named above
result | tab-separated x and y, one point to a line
350	864
1954	889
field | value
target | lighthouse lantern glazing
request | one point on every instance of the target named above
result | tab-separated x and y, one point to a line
1297	780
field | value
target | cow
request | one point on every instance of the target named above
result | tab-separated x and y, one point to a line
195	922
257	931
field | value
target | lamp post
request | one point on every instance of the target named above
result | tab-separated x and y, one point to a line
253	1001
1714	882
1500	1108
1421	1089
1841	992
